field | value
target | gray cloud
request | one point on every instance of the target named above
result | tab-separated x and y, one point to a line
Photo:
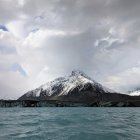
49	38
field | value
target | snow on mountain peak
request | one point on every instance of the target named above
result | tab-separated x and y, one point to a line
135	93
77	72
64	85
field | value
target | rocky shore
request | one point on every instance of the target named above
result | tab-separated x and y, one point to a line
53	103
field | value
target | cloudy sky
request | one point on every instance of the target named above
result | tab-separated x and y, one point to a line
44	39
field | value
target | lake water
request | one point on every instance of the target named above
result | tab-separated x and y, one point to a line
69	123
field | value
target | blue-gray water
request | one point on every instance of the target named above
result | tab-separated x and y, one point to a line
69	123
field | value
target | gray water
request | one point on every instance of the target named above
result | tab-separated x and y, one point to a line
69	123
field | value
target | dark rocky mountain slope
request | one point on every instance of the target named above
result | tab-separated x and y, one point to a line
77	87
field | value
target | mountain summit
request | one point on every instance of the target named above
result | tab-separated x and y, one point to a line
75	87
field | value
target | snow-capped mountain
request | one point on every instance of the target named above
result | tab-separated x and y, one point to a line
135	93
75	85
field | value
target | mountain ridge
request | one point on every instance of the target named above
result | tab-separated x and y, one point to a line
135	92
76	86
74	90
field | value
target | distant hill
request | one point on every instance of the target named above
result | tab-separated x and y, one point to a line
76	87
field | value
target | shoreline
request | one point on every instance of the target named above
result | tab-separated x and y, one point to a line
57	103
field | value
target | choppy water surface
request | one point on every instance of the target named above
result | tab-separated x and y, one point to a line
69	123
